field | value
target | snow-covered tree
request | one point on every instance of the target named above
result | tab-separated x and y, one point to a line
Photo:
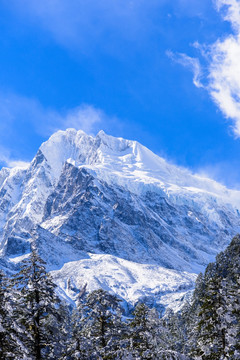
217	329
9	347
77	345
144	327
101	325
171	355
3	317
37	311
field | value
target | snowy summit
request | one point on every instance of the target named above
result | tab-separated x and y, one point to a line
110	213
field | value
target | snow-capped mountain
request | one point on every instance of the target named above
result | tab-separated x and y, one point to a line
108	212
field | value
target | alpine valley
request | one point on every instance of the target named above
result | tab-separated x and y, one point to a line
108	213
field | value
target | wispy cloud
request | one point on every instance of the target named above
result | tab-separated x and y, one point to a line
85	117
224	78
231	12
81	24
17	163
84	25
19	109
6	159
224	172
19	112
221	75
4	155
192	64
224	65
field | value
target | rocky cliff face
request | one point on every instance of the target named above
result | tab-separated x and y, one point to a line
86	199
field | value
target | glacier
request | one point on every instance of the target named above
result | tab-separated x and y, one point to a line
108	212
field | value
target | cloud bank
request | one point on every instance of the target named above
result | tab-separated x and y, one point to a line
221	71
224	65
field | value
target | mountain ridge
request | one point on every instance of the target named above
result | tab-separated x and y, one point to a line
84	195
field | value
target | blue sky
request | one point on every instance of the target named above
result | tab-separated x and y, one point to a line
164	74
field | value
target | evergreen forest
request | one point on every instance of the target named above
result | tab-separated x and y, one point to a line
35	324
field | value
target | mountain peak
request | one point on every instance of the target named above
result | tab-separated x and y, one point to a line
126	163
117	144
117	199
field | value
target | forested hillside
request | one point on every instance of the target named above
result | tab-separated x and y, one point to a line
36	324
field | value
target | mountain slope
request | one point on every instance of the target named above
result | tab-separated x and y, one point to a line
84	195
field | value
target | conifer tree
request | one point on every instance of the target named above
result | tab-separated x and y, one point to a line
9	348
77	346
217	329
3	317
37	311
144	328
172	333
171	355
101	325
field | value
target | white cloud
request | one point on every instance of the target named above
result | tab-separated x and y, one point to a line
224	172
17	163
19	112
224	66
231	10
221	75
84	117
224	78
4	155
81	24
16	109
87	24
5	158
192	64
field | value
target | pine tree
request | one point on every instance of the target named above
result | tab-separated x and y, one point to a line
173	331
3	315
171	355
9	348
207	328
144	332
37	310
217	330
77	346
210	339
101	325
